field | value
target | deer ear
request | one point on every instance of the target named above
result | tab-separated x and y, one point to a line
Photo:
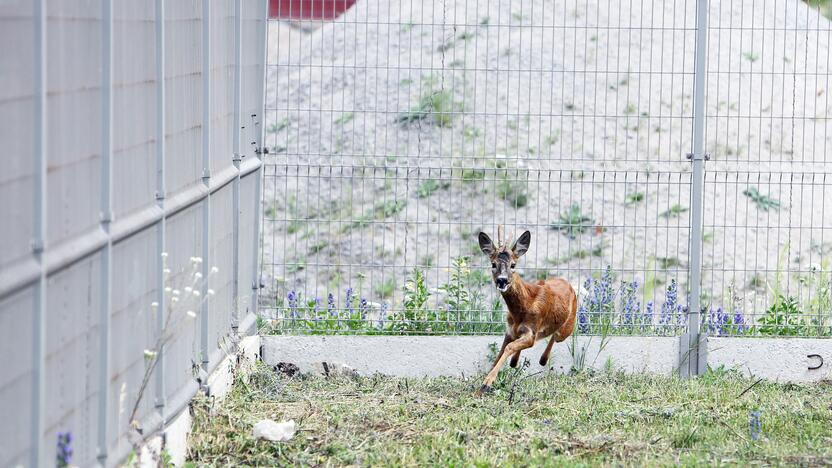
486	245
522	245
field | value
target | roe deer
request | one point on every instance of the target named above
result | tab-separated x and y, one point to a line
535	310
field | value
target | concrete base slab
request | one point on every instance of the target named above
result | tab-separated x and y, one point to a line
778	359
431	356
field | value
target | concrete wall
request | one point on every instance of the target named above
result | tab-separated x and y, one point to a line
128	129
779	359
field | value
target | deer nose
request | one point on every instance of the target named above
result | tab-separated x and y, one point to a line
501	282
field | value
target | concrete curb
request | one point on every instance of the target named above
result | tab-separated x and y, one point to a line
431	356
776	359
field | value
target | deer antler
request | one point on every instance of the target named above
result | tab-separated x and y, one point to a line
500	235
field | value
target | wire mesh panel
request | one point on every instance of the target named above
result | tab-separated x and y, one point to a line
767	194
401	129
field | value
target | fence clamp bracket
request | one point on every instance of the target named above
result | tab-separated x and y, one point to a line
817	357
700	157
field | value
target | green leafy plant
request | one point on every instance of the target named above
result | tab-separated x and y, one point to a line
634	198
763	202
386	288
573	221
674	211
429	187
750	56
437	104
345	118
513	190
783	318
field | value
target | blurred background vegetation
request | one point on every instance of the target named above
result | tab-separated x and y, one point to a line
825	6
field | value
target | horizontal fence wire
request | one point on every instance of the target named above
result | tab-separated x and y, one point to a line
401	129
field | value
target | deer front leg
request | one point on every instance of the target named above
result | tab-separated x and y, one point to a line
506	341
525	341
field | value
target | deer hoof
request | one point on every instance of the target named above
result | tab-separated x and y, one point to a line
485	389
544	360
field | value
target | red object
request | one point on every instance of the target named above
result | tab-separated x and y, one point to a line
308	9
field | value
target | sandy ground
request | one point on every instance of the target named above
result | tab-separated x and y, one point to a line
539	106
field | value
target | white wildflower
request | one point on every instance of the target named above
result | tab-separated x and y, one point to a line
196	293
154	305
188	289
191	314
164	255
210	292
168	289
197	275
149	354
214	269
175	292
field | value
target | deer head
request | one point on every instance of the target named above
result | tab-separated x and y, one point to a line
504	258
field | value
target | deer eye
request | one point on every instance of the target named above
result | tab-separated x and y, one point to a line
494	265
513	265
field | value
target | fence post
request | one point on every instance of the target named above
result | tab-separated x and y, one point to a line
236	159
206	178
39	238
693	348
106	220
260	151
161	190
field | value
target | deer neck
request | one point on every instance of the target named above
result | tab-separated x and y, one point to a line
516	294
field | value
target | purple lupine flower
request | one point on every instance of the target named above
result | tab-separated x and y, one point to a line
669	306
600	297
717	322
630	306
315	309
382	315
583	319
362	307
330	304
349	300
292	299
63	455
739	322
647	318
603	291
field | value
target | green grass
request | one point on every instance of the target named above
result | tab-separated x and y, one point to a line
586	419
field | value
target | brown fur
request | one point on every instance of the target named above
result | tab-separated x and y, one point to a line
536	310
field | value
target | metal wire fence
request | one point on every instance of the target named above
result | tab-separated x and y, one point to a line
401	129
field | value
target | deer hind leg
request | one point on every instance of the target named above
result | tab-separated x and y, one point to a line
525	341
514	359
544	358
